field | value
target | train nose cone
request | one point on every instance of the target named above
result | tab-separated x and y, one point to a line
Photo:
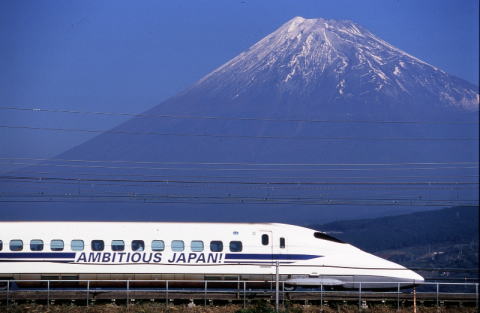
416	277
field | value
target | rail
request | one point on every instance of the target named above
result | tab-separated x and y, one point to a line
240	291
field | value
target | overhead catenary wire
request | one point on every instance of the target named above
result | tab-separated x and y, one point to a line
243	201
206	117
143	196
296	188
224	202
153	133
284	197
120	174
297	198
426	183
47	185
240	163
151	168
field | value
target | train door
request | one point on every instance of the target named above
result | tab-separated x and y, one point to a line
280	252
275	244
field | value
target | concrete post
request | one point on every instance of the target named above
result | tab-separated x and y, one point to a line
277	278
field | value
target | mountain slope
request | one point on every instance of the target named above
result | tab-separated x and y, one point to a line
320	115
308	69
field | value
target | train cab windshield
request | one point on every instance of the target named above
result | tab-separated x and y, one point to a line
324	236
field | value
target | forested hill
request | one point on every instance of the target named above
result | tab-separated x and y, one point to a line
440	244
452	225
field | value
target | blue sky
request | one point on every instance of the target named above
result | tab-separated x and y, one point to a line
128	56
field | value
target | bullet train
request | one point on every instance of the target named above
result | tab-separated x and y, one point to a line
191	251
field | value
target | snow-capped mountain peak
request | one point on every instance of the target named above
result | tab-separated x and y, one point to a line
305	55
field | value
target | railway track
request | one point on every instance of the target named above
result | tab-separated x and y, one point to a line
218	297
231	296
430	294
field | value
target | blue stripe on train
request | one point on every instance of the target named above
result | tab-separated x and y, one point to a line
255	262
228	256
34	260
39	255
262	256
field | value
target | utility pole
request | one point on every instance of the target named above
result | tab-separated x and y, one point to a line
414	300
277	278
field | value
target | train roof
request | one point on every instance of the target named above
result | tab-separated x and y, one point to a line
148	222
152	223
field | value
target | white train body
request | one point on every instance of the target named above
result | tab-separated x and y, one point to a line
138	250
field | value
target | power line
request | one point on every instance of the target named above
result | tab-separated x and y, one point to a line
246	187
22	172
168	181
149	115
235	197
224	202
241	163
242	199
121	132
152	196
236	169
270	189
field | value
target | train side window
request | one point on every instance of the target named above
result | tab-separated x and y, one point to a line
216	246
236	246
36	245
118	245
178	245
98	245
16	245
1	245
56	245
138	245
196	245
77	245
265	239
282	243
158	245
